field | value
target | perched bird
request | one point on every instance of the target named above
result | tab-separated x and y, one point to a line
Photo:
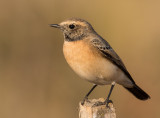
93	59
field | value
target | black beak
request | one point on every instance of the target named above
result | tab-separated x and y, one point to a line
54	25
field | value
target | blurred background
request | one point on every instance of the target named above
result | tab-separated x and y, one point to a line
35	80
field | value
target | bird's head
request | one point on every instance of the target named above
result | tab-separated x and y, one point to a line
74	29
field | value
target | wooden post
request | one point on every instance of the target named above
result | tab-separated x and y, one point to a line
88	110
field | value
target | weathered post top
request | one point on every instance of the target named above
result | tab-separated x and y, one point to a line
89	110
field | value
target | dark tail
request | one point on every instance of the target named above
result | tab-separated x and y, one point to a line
138	92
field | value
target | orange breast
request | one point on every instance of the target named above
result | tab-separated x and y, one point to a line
80	57
88	63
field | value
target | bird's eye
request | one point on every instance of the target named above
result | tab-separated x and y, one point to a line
71	26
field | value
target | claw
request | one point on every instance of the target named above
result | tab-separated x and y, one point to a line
83	101
107	102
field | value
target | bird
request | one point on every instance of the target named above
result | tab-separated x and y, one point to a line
93	59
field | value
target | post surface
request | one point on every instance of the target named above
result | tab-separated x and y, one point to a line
88	110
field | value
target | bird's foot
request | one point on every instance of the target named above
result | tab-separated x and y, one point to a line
83	101
107	102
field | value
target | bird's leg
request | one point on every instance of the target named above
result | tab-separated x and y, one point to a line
107	101
86	97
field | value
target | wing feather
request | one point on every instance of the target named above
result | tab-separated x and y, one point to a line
107	52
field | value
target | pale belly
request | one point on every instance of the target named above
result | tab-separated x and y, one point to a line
90	65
